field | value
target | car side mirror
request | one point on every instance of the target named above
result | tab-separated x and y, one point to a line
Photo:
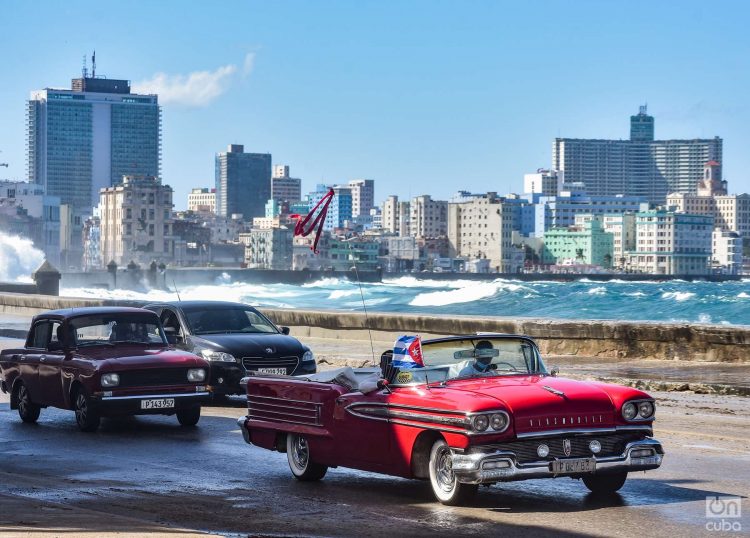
284	330
554	371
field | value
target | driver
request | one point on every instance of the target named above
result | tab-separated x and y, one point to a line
482	363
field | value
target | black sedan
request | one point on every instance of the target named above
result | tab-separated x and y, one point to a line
235	338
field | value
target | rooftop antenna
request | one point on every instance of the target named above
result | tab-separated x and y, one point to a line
93	65
174	284
84	71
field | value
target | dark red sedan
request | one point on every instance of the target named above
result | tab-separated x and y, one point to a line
102	361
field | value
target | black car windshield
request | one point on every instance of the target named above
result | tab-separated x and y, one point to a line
223	320
117	328
480	356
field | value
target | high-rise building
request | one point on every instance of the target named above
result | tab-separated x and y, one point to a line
481	229
640	166
363	196
389	214
429	218
340	208
283	187
243	182
87	138
136	221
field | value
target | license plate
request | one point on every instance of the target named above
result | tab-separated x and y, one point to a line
574	466
281	371
161	403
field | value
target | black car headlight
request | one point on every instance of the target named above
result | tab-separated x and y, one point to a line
216	356
308	356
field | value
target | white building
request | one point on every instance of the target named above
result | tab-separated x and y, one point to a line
726	249
268	248
545	182
136	221
429	218
670	243
622	228
363	196
202	200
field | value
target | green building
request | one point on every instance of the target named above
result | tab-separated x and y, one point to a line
586	243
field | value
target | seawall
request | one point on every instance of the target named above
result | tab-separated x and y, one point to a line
591	338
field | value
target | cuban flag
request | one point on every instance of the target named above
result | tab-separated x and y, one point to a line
407	352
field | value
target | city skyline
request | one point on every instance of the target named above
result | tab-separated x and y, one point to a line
465	99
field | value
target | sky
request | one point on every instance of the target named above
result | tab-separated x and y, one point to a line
424	97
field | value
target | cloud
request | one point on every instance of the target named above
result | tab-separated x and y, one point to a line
196	89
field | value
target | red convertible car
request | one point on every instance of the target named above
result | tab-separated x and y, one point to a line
102	361
480	409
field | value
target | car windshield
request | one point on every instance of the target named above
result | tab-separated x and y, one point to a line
223	320
118	328
480	356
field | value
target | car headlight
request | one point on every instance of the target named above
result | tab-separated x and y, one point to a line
217	356
110	380
646	409
629	411
308	356
480	423
499	421
196	375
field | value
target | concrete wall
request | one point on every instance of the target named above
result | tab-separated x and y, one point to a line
611	339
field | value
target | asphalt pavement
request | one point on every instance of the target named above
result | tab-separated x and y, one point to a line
148	475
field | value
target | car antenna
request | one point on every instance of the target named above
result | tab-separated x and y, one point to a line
174	284
364	307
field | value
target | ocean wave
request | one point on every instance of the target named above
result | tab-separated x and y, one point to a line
476	291
743	295
325	283
678	295
18	258
338	294
635	294
601	290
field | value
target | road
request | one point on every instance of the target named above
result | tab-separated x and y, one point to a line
148	475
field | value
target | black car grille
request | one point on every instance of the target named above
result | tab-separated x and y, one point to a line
253	363
613	444
153	377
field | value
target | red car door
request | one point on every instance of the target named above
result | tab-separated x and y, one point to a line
28	362
50	369
359	438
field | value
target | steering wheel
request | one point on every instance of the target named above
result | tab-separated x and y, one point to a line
513	368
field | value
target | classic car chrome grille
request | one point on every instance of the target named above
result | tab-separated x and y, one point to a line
283	410
153	377
525	450
566	421
253	363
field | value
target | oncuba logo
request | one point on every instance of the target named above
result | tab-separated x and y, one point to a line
722	512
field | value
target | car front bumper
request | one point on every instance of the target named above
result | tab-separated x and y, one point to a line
225	377
483	467
131	404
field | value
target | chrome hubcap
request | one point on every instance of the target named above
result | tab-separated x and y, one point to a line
444	476
81	408
300	452
23	400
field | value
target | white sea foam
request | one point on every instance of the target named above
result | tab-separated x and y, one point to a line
323	283
338	294
598	291
635	294
472	291
743	295
678	295
704	318
18	258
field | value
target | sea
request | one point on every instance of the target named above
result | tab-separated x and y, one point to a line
725	303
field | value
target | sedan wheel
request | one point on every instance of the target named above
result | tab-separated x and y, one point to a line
86	417
298	454
447	489
27	410
605	484
189	417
